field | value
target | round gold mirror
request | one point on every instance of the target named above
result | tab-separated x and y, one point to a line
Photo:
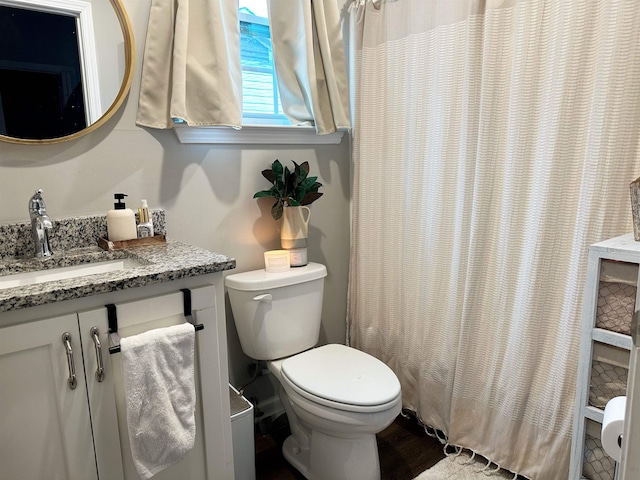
65	67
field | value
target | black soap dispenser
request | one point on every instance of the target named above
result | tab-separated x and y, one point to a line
121	221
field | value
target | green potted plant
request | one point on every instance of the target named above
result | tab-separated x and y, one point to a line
289	188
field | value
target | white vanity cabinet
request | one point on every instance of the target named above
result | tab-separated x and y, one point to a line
107	398
49	431
45	431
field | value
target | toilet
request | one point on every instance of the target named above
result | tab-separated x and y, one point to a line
336	398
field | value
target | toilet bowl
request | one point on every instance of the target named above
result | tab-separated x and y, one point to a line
336	398
339	398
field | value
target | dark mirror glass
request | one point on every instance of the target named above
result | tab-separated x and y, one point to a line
41	88
66	67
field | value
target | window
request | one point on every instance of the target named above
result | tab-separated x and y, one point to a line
260	98
263	119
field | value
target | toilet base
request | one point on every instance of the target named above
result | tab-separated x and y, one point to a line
296	456
334	458
332	444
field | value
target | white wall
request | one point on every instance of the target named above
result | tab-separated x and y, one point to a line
206	191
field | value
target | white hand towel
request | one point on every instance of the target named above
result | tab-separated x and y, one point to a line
160	395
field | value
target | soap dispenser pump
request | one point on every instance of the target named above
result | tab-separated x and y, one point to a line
121	221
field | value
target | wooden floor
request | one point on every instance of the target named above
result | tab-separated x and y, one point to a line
405	452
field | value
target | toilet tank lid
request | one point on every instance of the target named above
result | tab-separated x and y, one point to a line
261	279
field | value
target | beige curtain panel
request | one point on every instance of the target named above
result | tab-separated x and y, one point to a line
191	65
309	56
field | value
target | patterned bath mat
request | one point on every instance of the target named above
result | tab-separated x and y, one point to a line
463	467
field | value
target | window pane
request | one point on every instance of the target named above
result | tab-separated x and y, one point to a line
256	7
259	86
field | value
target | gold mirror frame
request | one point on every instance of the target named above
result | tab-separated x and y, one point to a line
129	55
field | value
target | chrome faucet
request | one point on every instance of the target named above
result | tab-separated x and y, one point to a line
40	225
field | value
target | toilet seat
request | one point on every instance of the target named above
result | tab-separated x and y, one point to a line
343	378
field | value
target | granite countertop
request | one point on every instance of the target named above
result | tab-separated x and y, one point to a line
157	264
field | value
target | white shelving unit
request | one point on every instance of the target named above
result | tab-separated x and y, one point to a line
611	293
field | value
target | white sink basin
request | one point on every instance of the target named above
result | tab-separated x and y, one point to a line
63	273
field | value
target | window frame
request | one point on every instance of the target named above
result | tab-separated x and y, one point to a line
256	135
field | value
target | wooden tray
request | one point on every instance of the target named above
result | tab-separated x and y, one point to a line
134	242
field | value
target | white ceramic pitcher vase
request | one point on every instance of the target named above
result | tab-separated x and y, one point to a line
295	227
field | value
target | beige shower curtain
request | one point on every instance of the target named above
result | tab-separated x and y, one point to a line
191	65
493	142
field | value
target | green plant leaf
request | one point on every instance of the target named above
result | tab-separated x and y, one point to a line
314	187
290	187
310	197
269	175
299	193
277	209
309	182
276	166
289	182
301	172
265	193
278	172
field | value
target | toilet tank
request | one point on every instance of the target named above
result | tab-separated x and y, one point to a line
277	314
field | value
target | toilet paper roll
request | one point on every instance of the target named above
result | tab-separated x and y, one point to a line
612	426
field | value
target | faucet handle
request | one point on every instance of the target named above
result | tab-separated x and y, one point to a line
36	203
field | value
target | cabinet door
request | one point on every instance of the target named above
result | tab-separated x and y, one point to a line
46	431
211	457
98	371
